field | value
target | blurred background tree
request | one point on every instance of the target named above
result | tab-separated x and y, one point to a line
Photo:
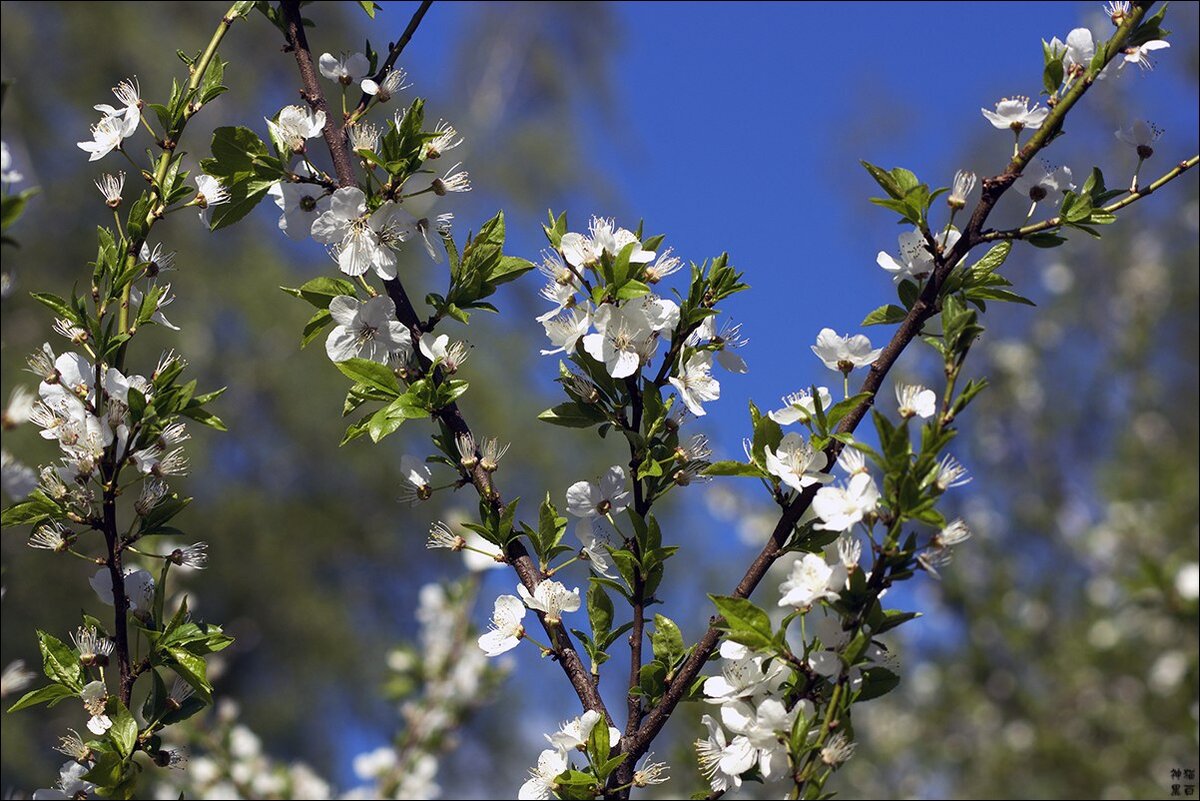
1058	656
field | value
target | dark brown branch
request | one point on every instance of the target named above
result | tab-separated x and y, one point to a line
450	415
923	309
116	574
393	54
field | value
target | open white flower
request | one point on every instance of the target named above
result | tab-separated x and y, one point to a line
801	406
95	698
696	384
551	598
107	136
365	330
743	675
724	761
840	508
301	204
622	333
294	125
1039	181
812	579
766	728
1141	136
129	94
70	783
796	463
1014	113
607	496
440	350
915	401
540	785
573	734
1080	48
844	353
507	629
345	69
139	588
361	242
209	192
565	330
1140	55
915	261
392	83
595	548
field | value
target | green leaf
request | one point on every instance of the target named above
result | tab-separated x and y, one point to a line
50	695
369	7
234	151
373	374
34	509
885	315
600	612
730	468
991	261
1045	240
573	415
320	291
244	195
877	681
192	669
13	206
315	325
666	640
60	663
744	622
124	729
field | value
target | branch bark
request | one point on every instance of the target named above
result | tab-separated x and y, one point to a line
450	416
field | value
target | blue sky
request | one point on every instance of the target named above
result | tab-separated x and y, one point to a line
742	125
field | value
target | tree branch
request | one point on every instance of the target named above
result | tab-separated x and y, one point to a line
922	310
393	54
1131	198
450	415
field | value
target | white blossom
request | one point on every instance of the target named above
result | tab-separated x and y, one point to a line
392	83
606	496
7	174
209	192
724	761
345	69
844	353
801	406
551	598
964	184
70	783
540	784
744	674
840	508
1140	55
139	588
1015	113
696	384
294	125
622	334
595	549
111	187
812	579
573	734
365	330
360	241
766	728
506	627
915	401
796	463
301	203
95	698
565	330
